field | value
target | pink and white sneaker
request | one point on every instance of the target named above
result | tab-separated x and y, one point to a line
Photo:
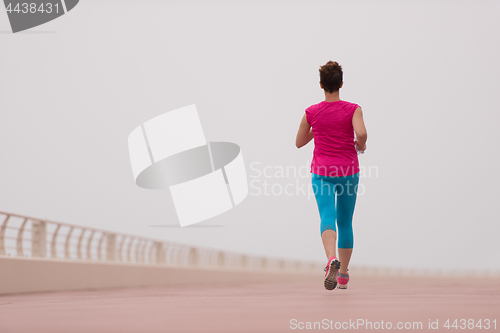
342	280
331	269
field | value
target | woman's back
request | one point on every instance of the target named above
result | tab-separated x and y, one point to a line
334	151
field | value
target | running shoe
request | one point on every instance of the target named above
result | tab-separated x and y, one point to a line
331	270
342	280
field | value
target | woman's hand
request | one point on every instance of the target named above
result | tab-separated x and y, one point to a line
360	131
359	149
304	134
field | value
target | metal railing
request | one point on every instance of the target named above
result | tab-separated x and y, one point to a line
23	236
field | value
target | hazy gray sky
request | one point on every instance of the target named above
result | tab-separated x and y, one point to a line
426	75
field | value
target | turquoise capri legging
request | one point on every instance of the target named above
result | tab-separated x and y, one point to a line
344	189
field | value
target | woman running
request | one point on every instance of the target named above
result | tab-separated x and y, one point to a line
335	169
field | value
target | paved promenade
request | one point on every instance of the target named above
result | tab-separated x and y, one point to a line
370	304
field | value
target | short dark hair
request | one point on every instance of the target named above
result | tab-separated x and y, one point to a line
330	76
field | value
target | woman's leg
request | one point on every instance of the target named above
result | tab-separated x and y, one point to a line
329	238
325	198
346	201
344	258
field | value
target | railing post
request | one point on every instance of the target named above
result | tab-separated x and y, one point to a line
158	250
53	243
66	245
220	259
120	249
19	243
99	247
151	251
193	257
89	245
138	250
110	247
38	239
143	251
79	246
2	235
129	250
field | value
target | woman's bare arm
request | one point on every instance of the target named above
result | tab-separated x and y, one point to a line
359	128
304	134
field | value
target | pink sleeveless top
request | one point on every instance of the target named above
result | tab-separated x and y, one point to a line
334	151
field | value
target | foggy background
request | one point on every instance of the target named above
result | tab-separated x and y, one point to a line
426	75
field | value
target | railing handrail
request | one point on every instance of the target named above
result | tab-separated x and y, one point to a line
123	247
75	225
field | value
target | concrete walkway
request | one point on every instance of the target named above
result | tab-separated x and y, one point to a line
370	304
